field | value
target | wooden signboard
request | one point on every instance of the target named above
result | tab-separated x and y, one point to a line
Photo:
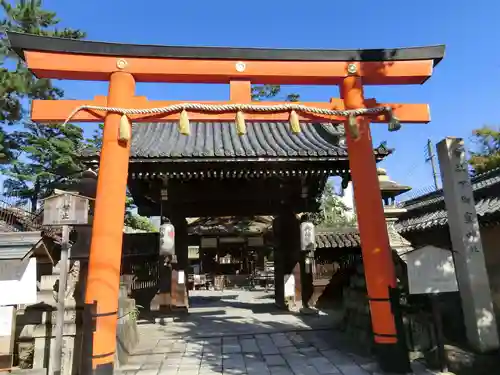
430	270
66	209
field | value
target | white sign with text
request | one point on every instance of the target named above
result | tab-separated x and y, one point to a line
17	282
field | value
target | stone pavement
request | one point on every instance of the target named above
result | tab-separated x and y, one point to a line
240	332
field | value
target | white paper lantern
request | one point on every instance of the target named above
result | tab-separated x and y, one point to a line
307	236
167	239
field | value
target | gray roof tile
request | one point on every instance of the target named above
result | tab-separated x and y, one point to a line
17	245
429	210
231	225
220	140
338	239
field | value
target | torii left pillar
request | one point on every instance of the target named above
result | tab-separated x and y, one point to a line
106	246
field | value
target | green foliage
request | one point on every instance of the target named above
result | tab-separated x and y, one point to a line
41	157
136	221
139	222
94	143
266	92
5	147
487	153
332	210
25	16
45	159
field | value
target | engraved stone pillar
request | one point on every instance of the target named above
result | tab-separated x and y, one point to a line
472	277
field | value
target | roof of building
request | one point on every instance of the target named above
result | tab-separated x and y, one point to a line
18	219
429	211
231	225
218	141
325	238
338	238
18	245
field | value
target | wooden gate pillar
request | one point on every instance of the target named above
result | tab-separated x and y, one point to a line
162	302
377	259
287	256
279	273
107	231
179	291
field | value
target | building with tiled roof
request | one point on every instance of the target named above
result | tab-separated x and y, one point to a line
428	212
426	223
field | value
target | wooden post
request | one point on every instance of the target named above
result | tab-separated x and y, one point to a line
107	231
278	261
179	292
379	268
438	325
61	299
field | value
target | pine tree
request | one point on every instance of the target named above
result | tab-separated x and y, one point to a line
25	16
266	92
46	160
40	157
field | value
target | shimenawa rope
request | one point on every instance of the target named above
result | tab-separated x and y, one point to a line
294	109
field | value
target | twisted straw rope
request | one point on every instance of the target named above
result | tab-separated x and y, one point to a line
198	107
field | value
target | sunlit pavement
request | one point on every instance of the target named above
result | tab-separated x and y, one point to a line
242	332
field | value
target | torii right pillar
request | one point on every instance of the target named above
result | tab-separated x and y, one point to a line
380	273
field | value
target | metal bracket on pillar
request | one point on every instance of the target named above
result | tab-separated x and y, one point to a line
395	358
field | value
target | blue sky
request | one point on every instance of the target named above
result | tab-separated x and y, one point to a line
463	94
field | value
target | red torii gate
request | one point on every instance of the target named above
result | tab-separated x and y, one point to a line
123	65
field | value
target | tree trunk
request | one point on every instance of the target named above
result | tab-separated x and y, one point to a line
34	197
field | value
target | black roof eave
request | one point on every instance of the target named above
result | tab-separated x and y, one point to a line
263	159
20	42
236	159
436	197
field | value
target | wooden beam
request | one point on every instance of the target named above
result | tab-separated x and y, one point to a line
240	91
59	65
244	208
56	111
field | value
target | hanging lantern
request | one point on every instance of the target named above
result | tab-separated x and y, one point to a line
167	239
307	236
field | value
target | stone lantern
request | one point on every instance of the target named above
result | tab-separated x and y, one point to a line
390	190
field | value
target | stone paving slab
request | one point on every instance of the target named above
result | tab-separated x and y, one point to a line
201	357
262	342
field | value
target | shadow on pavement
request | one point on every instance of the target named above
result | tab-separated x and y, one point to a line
245	333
